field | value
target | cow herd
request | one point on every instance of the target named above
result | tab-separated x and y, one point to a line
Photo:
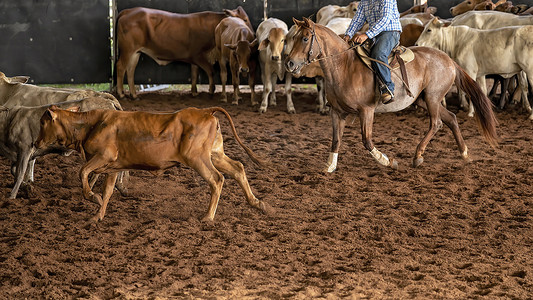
35	121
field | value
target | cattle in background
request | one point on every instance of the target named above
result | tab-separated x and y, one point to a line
410	34
493	20
235	43
508	7
19	127
168	37
115	140
328	12
422	8
465	6
271	35
14	91
510	50
339	25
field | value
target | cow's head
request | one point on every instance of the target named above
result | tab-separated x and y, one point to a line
243	51
52	129
464	6
13	80
275	42
241	14
504	6
352	8
432	36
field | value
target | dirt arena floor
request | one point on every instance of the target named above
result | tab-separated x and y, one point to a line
445	230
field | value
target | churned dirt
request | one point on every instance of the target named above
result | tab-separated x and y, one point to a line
445	230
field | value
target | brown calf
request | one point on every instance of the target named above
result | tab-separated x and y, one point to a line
168	37
112	141
236	44
465	6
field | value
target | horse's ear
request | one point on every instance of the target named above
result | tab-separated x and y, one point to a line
307	22
297	23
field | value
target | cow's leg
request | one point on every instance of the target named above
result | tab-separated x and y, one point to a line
273	80
130	72
251	82
223	78
288	92
235	80
194	80
29	172
235	169
321	90
94	163
523	82
203	165
109	185
267	88
122	62
205	65
503	94
22	165
338	120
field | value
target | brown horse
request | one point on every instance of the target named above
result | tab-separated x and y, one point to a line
350	89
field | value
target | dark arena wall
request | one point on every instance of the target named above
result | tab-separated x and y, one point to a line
55	41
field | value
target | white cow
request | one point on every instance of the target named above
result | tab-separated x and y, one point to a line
329	12
271	37
339	25
493	20
505	51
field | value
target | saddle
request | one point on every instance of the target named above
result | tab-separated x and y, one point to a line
398	58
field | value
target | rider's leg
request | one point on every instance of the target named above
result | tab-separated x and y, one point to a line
384	43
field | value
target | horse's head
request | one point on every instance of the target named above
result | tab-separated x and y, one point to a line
305	47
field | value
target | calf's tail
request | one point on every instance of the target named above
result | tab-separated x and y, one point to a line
483	106
249	151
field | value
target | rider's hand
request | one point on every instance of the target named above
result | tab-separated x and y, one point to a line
360	38
346	38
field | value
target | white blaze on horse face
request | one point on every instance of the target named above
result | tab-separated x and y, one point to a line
332	162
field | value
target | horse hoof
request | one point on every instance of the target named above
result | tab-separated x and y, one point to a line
266	209
394	164
417	162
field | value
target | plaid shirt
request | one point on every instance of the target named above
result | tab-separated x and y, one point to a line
381	15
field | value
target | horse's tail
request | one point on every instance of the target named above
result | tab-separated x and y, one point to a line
483	106
249	151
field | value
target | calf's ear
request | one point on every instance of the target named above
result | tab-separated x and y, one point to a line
51	114
232	47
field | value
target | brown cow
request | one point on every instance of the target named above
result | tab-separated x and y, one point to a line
410	34
465	6
112	141
422	8
236	44
168	37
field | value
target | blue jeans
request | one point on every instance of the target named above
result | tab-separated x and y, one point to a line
383	45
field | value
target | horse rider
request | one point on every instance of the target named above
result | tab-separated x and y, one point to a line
384	30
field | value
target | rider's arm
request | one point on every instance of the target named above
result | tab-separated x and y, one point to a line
357	22
387	15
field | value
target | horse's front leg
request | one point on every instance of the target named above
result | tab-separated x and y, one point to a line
367	121
338	120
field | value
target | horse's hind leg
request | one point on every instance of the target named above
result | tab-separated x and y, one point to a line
450	120
433	106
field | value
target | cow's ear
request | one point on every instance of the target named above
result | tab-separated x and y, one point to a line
74	109
263	44
231	46
254	43
18	79
230	13
53	107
